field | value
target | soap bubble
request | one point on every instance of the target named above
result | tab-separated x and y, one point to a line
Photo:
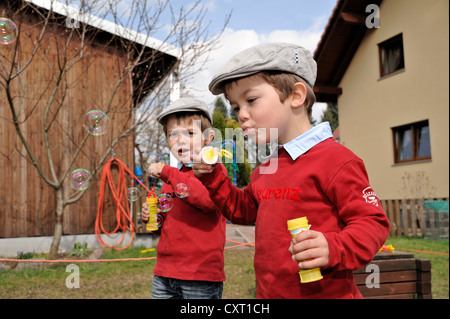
81	179
165	202
133	194
8	31
182	190
96	122
152	158
159	221
165	158
156	220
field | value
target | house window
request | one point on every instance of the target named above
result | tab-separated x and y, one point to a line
391	56
412	142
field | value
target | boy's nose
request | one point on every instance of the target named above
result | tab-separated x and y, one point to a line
243	115
183	139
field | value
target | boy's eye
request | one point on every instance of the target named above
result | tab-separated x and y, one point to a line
251	100
176	135
236	109
173	136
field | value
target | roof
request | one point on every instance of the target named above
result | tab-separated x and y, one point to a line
340	40
107	26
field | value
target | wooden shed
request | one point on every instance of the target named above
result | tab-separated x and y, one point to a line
95	81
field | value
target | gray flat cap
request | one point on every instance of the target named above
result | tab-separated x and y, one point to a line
285	57
185	104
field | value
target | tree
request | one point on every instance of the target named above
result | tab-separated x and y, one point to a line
331	115
220	106
64	44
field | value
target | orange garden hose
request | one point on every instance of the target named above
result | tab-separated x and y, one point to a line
81	261
424	251
123	217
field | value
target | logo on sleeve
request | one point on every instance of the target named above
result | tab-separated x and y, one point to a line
370	196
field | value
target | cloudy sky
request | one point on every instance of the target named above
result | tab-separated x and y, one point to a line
257	21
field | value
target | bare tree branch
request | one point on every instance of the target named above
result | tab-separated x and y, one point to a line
141	63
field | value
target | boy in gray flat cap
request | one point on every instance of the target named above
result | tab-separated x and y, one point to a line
190	261
270	86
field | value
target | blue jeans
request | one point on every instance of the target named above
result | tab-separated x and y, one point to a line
170	288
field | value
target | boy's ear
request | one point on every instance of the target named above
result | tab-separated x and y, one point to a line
298	95
209	136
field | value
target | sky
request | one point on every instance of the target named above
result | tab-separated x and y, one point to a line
258	21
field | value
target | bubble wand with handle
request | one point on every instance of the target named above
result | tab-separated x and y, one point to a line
210	154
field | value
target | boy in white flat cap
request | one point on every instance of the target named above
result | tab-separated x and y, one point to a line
270	86
190	260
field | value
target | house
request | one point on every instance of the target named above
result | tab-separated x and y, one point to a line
386	64
95	81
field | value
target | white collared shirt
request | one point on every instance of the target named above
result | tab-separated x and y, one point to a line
304	142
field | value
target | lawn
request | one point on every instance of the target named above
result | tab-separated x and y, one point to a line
133	279
439	263
128	279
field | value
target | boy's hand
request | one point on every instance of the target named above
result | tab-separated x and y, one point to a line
145	216
200	168
310	250
155	169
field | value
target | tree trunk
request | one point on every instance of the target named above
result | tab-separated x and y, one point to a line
53	254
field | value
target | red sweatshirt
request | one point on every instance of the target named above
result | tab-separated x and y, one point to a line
329	185
193	233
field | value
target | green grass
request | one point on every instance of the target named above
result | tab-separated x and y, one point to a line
128	279
439	263
133	279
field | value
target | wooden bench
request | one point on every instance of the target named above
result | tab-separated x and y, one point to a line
395	275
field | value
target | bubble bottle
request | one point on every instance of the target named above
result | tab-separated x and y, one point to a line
296	226
152	200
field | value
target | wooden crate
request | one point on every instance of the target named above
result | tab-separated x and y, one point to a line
396	275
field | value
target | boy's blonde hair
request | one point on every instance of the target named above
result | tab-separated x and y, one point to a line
283	83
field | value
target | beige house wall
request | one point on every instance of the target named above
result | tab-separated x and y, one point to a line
369	106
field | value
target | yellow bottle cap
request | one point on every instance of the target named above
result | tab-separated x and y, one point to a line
310	275
297	223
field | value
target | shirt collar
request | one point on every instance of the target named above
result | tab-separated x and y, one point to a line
180	166
304	142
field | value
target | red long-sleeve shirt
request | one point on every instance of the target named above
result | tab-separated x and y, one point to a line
329	185
193	233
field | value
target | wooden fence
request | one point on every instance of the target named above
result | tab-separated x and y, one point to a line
408	217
